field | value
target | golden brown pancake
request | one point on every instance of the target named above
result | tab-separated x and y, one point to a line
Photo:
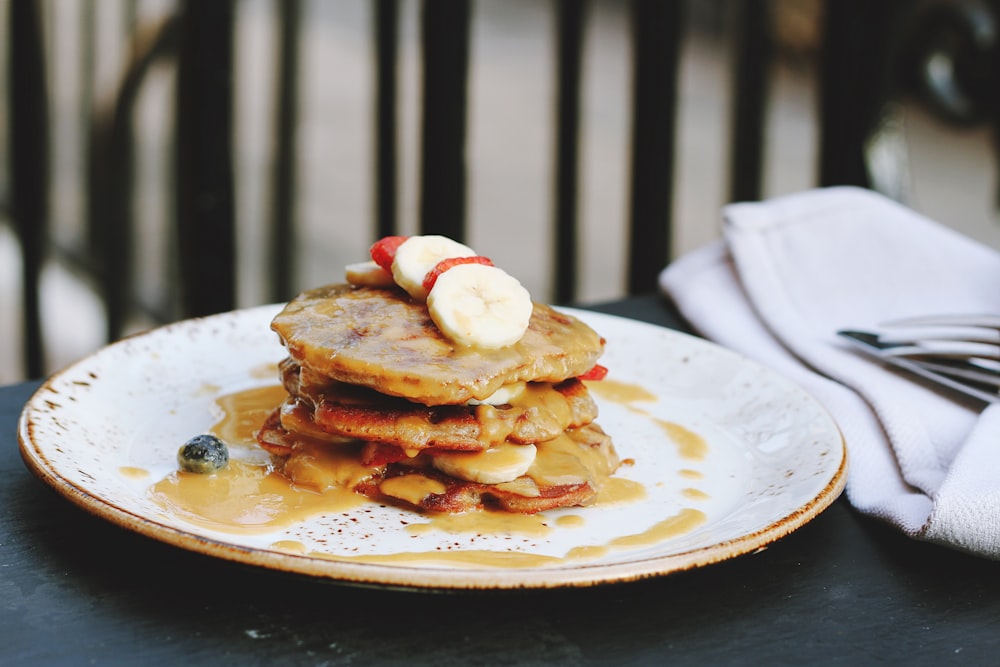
568	470
540	412
381	339
376	393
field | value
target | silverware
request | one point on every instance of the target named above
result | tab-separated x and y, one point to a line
974	321
967	362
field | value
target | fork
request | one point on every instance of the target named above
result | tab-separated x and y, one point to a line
961	352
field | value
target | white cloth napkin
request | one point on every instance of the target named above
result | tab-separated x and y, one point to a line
789	273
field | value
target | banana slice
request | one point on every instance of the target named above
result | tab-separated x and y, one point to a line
503	463
368	274
480	306
501	396
418	255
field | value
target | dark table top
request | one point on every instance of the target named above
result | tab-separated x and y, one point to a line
842	589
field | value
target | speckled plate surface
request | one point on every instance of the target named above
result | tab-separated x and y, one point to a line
768	459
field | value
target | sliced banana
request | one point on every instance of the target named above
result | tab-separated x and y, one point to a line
503	463
418	255
412	488
368	274
480	306
501	396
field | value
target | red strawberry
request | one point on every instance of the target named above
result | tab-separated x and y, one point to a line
446	264
384	250
596	373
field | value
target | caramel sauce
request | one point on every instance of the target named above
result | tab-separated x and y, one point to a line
492	428
588	552
292	546
621	392
321	467
543	402
570	521
207	389
620	491
683	522
690	445
522	486
694	494
296	416
411	488
251	498
680	524
244	412
133	473
561	461
245	499
615	491
485	523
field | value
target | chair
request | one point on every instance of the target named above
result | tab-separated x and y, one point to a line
197	43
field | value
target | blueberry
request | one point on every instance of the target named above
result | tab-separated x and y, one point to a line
203	454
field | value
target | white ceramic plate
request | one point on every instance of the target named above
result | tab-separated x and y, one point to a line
772	460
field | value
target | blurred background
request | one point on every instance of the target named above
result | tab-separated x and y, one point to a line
935	152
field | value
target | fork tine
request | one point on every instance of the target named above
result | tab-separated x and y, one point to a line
947	350
964	371
870	344
967	320
952	349
934	337
937	332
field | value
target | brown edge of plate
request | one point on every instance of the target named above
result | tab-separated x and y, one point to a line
422	578
427	579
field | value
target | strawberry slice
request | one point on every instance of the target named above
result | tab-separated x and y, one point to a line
378	454
596	373
384	250
446	264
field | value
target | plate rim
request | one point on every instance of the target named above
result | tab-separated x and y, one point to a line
411	577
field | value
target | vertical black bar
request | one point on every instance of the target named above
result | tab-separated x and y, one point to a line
204	169
114	220
115	223
992	87
118	269
283	211
569	44
656	33
856	72
386	53
87	67
29	166
115	229
843	129
445	37
750	93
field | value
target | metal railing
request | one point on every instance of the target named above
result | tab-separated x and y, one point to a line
862	55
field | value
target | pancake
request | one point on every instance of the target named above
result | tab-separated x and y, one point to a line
381	402
540	411
381	339
568	470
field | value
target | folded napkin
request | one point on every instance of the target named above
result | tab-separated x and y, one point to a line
788	273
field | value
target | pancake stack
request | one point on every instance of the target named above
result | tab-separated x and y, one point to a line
381	401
